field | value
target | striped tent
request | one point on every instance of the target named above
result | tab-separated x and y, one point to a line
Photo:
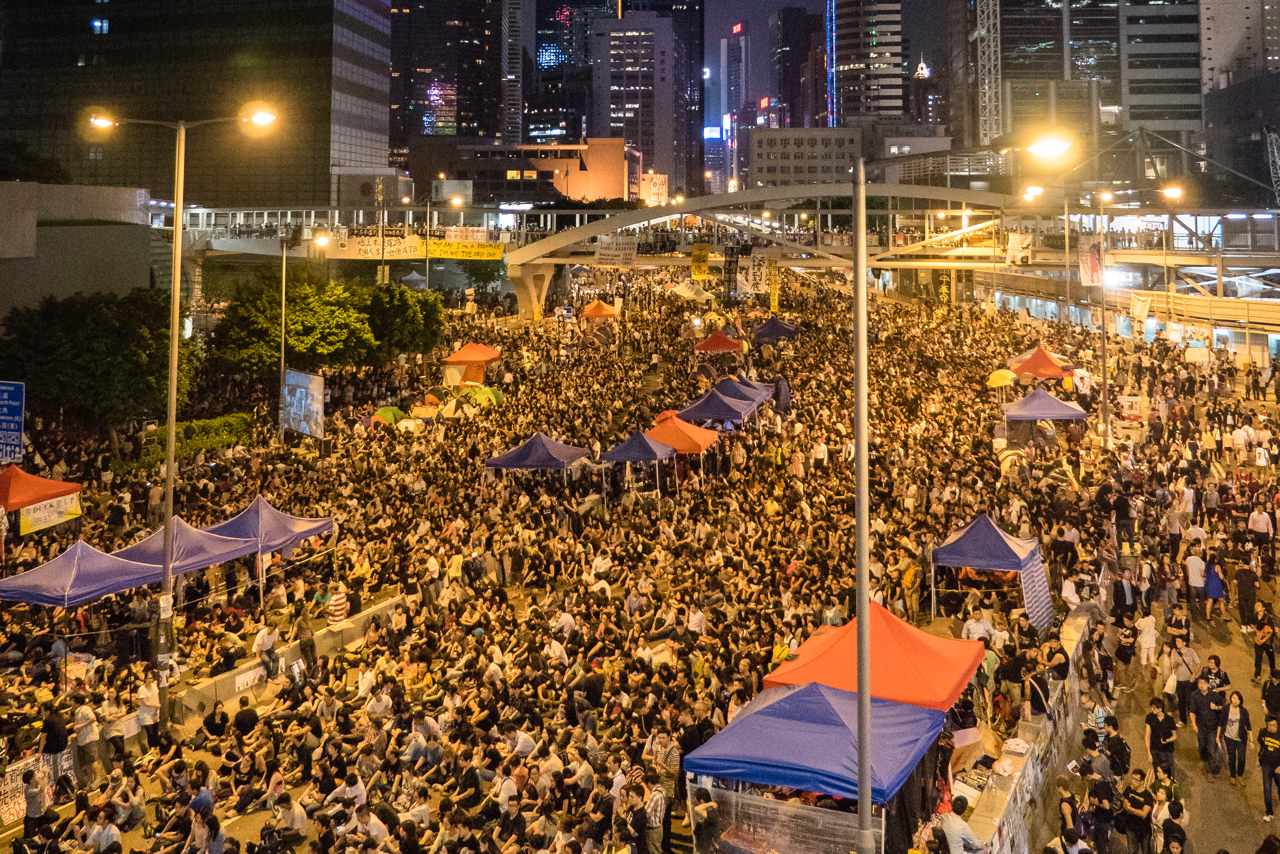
982	544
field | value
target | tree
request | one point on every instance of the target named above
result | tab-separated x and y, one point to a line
404	320
483	273
98	359
19	163
326	326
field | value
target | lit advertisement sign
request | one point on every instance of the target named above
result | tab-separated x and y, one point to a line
711	133
737	28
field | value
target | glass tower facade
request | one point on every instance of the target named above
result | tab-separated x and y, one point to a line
321	63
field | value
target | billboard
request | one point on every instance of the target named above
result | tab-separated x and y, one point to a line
13	398
302	400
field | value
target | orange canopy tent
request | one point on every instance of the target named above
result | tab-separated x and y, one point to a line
19	489
686	438
1040	363
718	342
907	665
598	310
468	364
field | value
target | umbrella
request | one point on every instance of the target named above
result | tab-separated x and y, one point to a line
1001	378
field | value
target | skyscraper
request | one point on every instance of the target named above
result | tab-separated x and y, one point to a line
632	64
1059	63
688	31
869	78
791	32
1232	41
445	70
735	68
1160	66
322	63
513	41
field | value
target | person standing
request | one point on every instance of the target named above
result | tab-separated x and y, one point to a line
1264	630
1235	735
1268	762
1186	667
1136	803
1246	582
1207	706
1162	736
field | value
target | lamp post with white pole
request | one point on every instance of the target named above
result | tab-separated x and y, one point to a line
256	118
862	483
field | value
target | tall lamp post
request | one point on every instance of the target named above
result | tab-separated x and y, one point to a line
866	836
256	118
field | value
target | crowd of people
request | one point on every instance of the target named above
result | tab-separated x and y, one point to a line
562	642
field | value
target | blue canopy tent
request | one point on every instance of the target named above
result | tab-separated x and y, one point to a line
639	448
982	544
750	392
714	406
193	549
272	529
806	738
1039	405
774	329
78	576
538	452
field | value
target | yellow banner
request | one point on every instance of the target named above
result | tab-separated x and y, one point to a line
775	284
699	261
46	514
464	250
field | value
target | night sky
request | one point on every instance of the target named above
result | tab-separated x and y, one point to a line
721	14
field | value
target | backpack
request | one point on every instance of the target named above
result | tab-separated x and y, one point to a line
1120	755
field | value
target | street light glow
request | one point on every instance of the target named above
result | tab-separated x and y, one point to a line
679	200
102	122
1172	193
406	200
1106	197
1030	194
262	118
455	201
321	240
767	214
1050	147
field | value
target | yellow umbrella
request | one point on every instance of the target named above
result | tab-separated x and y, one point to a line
1003	378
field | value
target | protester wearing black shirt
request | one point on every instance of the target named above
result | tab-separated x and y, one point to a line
1162	734
1136	803
1268	761
55	731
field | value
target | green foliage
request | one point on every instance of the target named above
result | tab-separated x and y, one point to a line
482	273
329	324
97	359
325	326
206	434
404	320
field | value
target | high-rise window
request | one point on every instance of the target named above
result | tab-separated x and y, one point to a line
100	26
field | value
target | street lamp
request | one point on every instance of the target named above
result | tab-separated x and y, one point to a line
255	119
1051	147
455	202
1172	193
1031	193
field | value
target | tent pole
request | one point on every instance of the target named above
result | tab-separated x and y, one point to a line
262	584
933	589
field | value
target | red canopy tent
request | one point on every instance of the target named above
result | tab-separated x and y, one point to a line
717	343
1040	363
907	665
598	310
19	489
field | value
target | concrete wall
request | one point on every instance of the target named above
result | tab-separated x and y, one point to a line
70	258
25	204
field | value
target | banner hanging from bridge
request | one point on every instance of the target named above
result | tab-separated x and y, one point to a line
1090	260
775	283
1139	307
617	250
700	262
394	245
465	250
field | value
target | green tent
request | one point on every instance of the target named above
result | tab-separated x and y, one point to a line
391	414
482	395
